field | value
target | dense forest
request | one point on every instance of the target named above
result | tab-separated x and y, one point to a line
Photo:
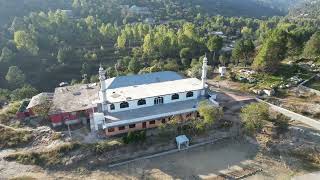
65	41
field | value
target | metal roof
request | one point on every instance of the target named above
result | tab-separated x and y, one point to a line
153	90
132	80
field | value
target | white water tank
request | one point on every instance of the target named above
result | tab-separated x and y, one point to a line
222	71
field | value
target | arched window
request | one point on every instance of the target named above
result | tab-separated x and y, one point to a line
112	107
175	96
141	102
124	105
189	94
158	100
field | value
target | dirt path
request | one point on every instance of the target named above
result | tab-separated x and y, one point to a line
203	161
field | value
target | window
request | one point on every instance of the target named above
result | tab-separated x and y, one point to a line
152	122
124	105
121	128
112	107
175	96
132	125
141	102
158	100
163	121
189	94
110	129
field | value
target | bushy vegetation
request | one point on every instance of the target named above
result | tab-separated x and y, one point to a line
210	115
105	146
56	156
9	112
282	123
253	117
134	137
13	138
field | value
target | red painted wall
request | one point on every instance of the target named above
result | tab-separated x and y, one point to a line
59	118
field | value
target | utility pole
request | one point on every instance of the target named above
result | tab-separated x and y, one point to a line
69	130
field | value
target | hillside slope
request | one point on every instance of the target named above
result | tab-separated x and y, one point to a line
309	9
246	8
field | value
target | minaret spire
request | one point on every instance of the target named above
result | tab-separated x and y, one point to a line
204	71
103	88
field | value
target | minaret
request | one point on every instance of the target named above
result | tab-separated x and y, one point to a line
204	71
103	89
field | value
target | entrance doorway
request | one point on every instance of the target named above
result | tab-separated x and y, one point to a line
144	125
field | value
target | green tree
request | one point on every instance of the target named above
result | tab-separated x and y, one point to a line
312	48
26	41
15	76
63	54
148	45
4	95
186	56
121	41
209	113
214	44
272	52
171	65
27	91
6	55
223	58
253	117
243	50
134	65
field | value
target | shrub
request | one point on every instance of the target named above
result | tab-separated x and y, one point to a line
104	146
134	137
253	116
23	178
46	158
209	113
282	123
11	138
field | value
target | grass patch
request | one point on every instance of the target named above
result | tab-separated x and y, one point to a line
56	156
267	81
314	84
23	178
10	138
9	112
310	158
105	146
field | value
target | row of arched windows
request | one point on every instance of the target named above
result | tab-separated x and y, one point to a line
157	100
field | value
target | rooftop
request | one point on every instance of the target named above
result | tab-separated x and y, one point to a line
151	112
123	88
132	80
40	99
74	98
153	90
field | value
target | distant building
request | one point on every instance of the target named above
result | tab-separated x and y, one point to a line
218	33
227	49
139	10
68	12
150	20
